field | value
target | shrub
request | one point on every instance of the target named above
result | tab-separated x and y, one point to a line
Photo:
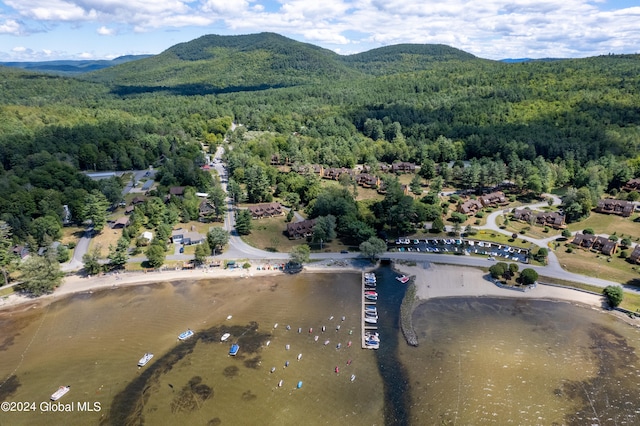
588	231
566	233
614	295
480	214
569	249
624	254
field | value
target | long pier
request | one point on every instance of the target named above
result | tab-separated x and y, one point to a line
364	326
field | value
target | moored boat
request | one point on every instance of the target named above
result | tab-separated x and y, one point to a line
403	279
145	359
62	390
234	349
371	297
371	320
186	334
225	336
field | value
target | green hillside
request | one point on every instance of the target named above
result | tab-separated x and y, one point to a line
404	58
215	64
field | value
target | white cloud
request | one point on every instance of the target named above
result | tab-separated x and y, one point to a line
105	31
489	28
10	26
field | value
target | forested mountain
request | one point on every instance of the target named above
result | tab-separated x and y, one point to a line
541	123
219	64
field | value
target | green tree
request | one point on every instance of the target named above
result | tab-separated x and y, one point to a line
325	228
6	258
217	238
373	247
202	251
46	226
437	225
217	197
95	210
566	233
614	295
498	270
91	261
40	274
119	254
300	254
63	254
243	222
416	185
155	255
528	276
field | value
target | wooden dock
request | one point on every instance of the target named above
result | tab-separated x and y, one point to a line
365	302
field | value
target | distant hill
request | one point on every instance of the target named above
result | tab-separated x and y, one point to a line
214	64
218	64
520	60
69	67
405	58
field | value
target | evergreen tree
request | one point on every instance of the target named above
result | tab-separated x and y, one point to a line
40	274
243	222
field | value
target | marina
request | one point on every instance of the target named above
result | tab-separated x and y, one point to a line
369	311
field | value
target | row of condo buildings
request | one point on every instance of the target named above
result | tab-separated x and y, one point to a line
473	205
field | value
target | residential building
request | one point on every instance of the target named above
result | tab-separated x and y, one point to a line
634	257
205	209
181	236
265	210
591	242
618	207
367	180
493	199
403	167
178	191
553	219
120	223
632	185
300	229
469	207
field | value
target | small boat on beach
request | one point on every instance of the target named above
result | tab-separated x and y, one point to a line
331	317
280	383
145	359
353	377
299	329
287	346
310	330
229	317
326	342
323	328
185	334
337	327
349	344
299	357
225	336
339	345
234	349
275	325
62	390
286	364
315	339
273	369
344	318
403	279
299	384
268	342
288	327
337	370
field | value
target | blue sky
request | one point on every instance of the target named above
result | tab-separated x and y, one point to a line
35	30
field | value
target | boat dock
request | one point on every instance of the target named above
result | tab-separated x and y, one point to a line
364	326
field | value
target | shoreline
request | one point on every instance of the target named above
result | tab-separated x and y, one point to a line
76	284
440	281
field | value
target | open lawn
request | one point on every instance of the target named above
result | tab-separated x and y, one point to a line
597	265
71	234
610	224
108	237
269	234
533	231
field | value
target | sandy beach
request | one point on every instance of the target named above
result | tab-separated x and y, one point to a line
80	284
455	281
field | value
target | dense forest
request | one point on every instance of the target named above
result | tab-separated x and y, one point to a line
566	123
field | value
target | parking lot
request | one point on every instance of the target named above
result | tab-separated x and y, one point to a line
462	246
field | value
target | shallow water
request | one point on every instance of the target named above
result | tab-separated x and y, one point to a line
480	361
507	361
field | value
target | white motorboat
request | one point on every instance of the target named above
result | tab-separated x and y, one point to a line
186	334
370	320
225	336
145	359
62	390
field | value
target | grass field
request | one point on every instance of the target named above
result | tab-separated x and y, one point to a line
592	264
610	224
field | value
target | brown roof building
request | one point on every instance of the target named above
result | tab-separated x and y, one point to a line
619	207
367	180
635	254
301	229
632	185
403	167
470	206
177	191
592	242
553	219
493	199
265	210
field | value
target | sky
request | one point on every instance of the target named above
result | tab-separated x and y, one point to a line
44	30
